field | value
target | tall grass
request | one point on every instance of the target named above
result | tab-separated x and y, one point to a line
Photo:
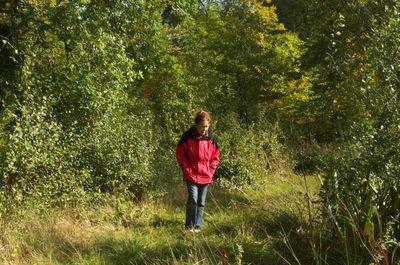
242	227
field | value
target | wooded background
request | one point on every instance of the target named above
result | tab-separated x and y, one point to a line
95	94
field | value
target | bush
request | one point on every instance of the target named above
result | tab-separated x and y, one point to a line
40	161
119	153
361	187
249	153
46	162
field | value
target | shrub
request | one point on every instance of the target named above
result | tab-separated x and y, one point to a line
40	161
249	153
119	153
361	187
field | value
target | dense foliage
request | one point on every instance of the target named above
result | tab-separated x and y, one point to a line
95	94
367	175
354	51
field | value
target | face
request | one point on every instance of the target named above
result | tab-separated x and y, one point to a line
203	127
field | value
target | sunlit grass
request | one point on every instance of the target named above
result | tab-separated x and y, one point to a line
252	226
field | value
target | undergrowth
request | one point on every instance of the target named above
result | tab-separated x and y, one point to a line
264	226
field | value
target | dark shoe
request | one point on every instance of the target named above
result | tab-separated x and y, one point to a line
197	229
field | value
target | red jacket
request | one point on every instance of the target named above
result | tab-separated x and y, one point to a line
198	156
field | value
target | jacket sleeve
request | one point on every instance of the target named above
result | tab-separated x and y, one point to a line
214	159
181	154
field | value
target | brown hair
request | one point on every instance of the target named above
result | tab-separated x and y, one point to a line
202	116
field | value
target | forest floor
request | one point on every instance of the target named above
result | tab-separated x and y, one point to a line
267	225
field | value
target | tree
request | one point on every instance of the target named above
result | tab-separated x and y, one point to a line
73	125
357	75
240	53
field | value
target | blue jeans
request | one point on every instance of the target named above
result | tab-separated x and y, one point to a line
195	204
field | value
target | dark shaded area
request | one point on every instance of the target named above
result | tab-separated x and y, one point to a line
293	14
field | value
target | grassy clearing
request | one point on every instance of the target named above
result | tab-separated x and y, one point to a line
263	226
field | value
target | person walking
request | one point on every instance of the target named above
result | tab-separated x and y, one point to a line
197	154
